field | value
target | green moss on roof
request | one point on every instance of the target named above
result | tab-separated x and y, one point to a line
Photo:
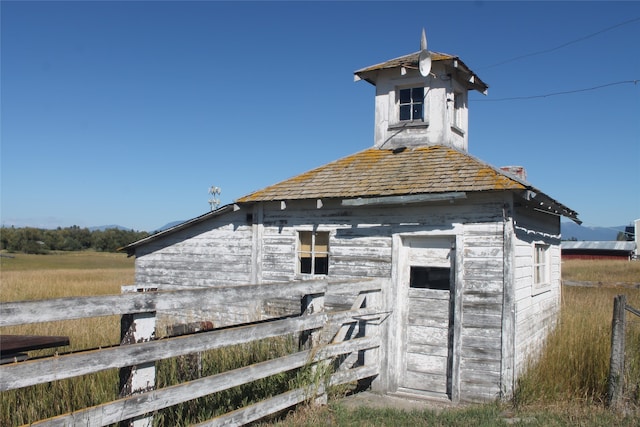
375	172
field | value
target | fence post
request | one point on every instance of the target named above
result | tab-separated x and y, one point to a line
373	357
311	304
136	328
616	363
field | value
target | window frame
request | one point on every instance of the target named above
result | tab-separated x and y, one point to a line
312	251
541	268
458	107
398	104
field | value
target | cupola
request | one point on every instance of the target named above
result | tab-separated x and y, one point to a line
422	99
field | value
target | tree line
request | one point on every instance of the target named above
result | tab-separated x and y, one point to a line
31	240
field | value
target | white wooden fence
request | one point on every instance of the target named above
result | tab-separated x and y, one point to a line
331	335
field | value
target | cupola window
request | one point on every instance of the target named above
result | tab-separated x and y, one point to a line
411	104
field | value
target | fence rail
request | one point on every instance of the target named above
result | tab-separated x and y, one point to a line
342	336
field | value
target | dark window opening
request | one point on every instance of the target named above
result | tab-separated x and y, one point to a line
430	278
305	265
321	266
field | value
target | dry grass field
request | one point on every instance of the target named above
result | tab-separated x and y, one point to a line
34	277
603	273
566	386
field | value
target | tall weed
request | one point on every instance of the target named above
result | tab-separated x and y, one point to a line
575	362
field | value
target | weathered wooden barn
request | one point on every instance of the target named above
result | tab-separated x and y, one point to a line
470	252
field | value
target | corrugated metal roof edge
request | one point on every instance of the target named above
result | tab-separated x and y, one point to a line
593	245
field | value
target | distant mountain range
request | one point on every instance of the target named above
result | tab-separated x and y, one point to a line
120	227
573	231
108	227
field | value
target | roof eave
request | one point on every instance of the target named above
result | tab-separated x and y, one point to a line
541	202
131	247
369	74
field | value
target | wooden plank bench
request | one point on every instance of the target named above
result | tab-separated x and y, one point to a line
14	348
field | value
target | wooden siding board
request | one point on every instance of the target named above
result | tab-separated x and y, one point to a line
481	372
423	381
204	265
482	364
366	250
276	277
426	363
471	297
484	267
480	342
490	355
482	332
478	285
478	393
482	320
433	350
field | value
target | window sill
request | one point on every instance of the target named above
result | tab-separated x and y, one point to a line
310	276
540	288
457	130
409	124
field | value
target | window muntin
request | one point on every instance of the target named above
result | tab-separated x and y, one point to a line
540	264
411	102
313	252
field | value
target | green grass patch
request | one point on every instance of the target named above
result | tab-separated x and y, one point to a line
65	261
486	415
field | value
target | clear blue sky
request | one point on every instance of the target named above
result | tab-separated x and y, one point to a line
127	112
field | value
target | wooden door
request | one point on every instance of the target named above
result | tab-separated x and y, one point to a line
427	278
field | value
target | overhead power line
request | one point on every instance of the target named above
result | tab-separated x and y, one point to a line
566	92
540	52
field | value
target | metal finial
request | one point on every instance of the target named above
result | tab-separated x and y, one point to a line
423	41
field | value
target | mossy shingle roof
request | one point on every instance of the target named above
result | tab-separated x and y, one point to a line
379	172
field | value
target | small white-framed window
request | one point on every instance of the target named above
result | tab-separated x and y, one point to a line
313	252
411	104
540	265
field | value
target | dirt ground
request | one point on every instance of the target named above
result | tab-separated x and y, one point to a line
381	401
